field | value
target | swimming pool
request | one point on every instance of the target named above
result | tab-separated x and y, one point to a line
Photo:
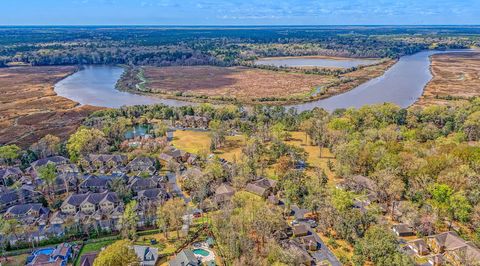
201	252
44	251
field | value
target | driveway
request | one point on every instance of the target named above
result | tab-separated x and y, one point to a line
172	179
324	252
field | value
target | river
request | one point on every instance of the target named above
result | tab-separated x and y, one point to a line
402	84
315	62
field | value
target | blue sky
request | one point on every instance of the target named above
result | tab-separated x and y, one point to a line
238	12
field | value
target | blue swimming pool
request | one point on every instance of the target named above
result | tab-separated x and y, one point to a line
44	251
201	252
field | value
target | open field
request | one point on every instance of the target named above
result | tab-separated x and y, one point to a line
30	109
199	141
455	76
250	85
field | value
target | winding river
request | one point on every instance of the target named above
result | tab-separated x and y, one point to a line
402	84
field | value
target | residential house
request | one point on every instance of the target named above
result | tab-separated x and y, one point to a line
90	202
95	183
103	161
148	202
58	257
300	230
309	242
103	210
88	259
190	121
137	184
403	230
148	256
67	181
419	246
185	258
141	165
23	195
224	193
10	175
68	168
436	260
299	251
263	187
456	251
29	214
56	160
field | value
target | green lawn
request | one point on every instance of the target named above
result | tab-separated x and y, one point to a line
93	247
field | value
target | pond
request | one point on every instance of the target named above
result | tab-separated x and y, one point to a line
316	62
402	84
138	131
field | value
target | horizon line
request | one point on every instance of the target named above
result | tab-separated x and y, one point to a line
234	25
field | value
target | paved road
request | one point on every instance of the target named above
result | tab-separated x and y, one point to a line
172	179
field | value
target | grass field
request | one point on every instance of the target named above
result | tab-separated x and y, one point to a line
298	139
30	109
198	141
455	75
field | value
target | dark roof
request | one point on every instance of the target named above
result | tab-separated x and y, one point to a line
53	159
94	198
88	259
153	193
22	209
5	172
140	183
95	181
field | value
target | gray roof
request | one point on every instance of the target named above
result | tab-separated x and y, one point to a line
139	183
184	258
53	159
5	172
22	209
147	255
153	193
144	161
95	181
94	198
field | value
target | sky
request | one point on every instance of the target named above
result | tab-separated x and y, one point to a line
239	12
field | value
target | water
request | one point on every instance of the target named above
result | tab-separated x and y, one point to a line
201	252
138	131
402	84
95	85
315	62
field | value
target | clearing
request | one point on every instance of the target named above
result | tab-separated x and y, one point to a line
199	141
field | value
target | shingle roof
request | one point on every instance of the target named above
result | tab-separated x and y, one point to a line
224	189
94	198
53	159
22	209
184	258
10	171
